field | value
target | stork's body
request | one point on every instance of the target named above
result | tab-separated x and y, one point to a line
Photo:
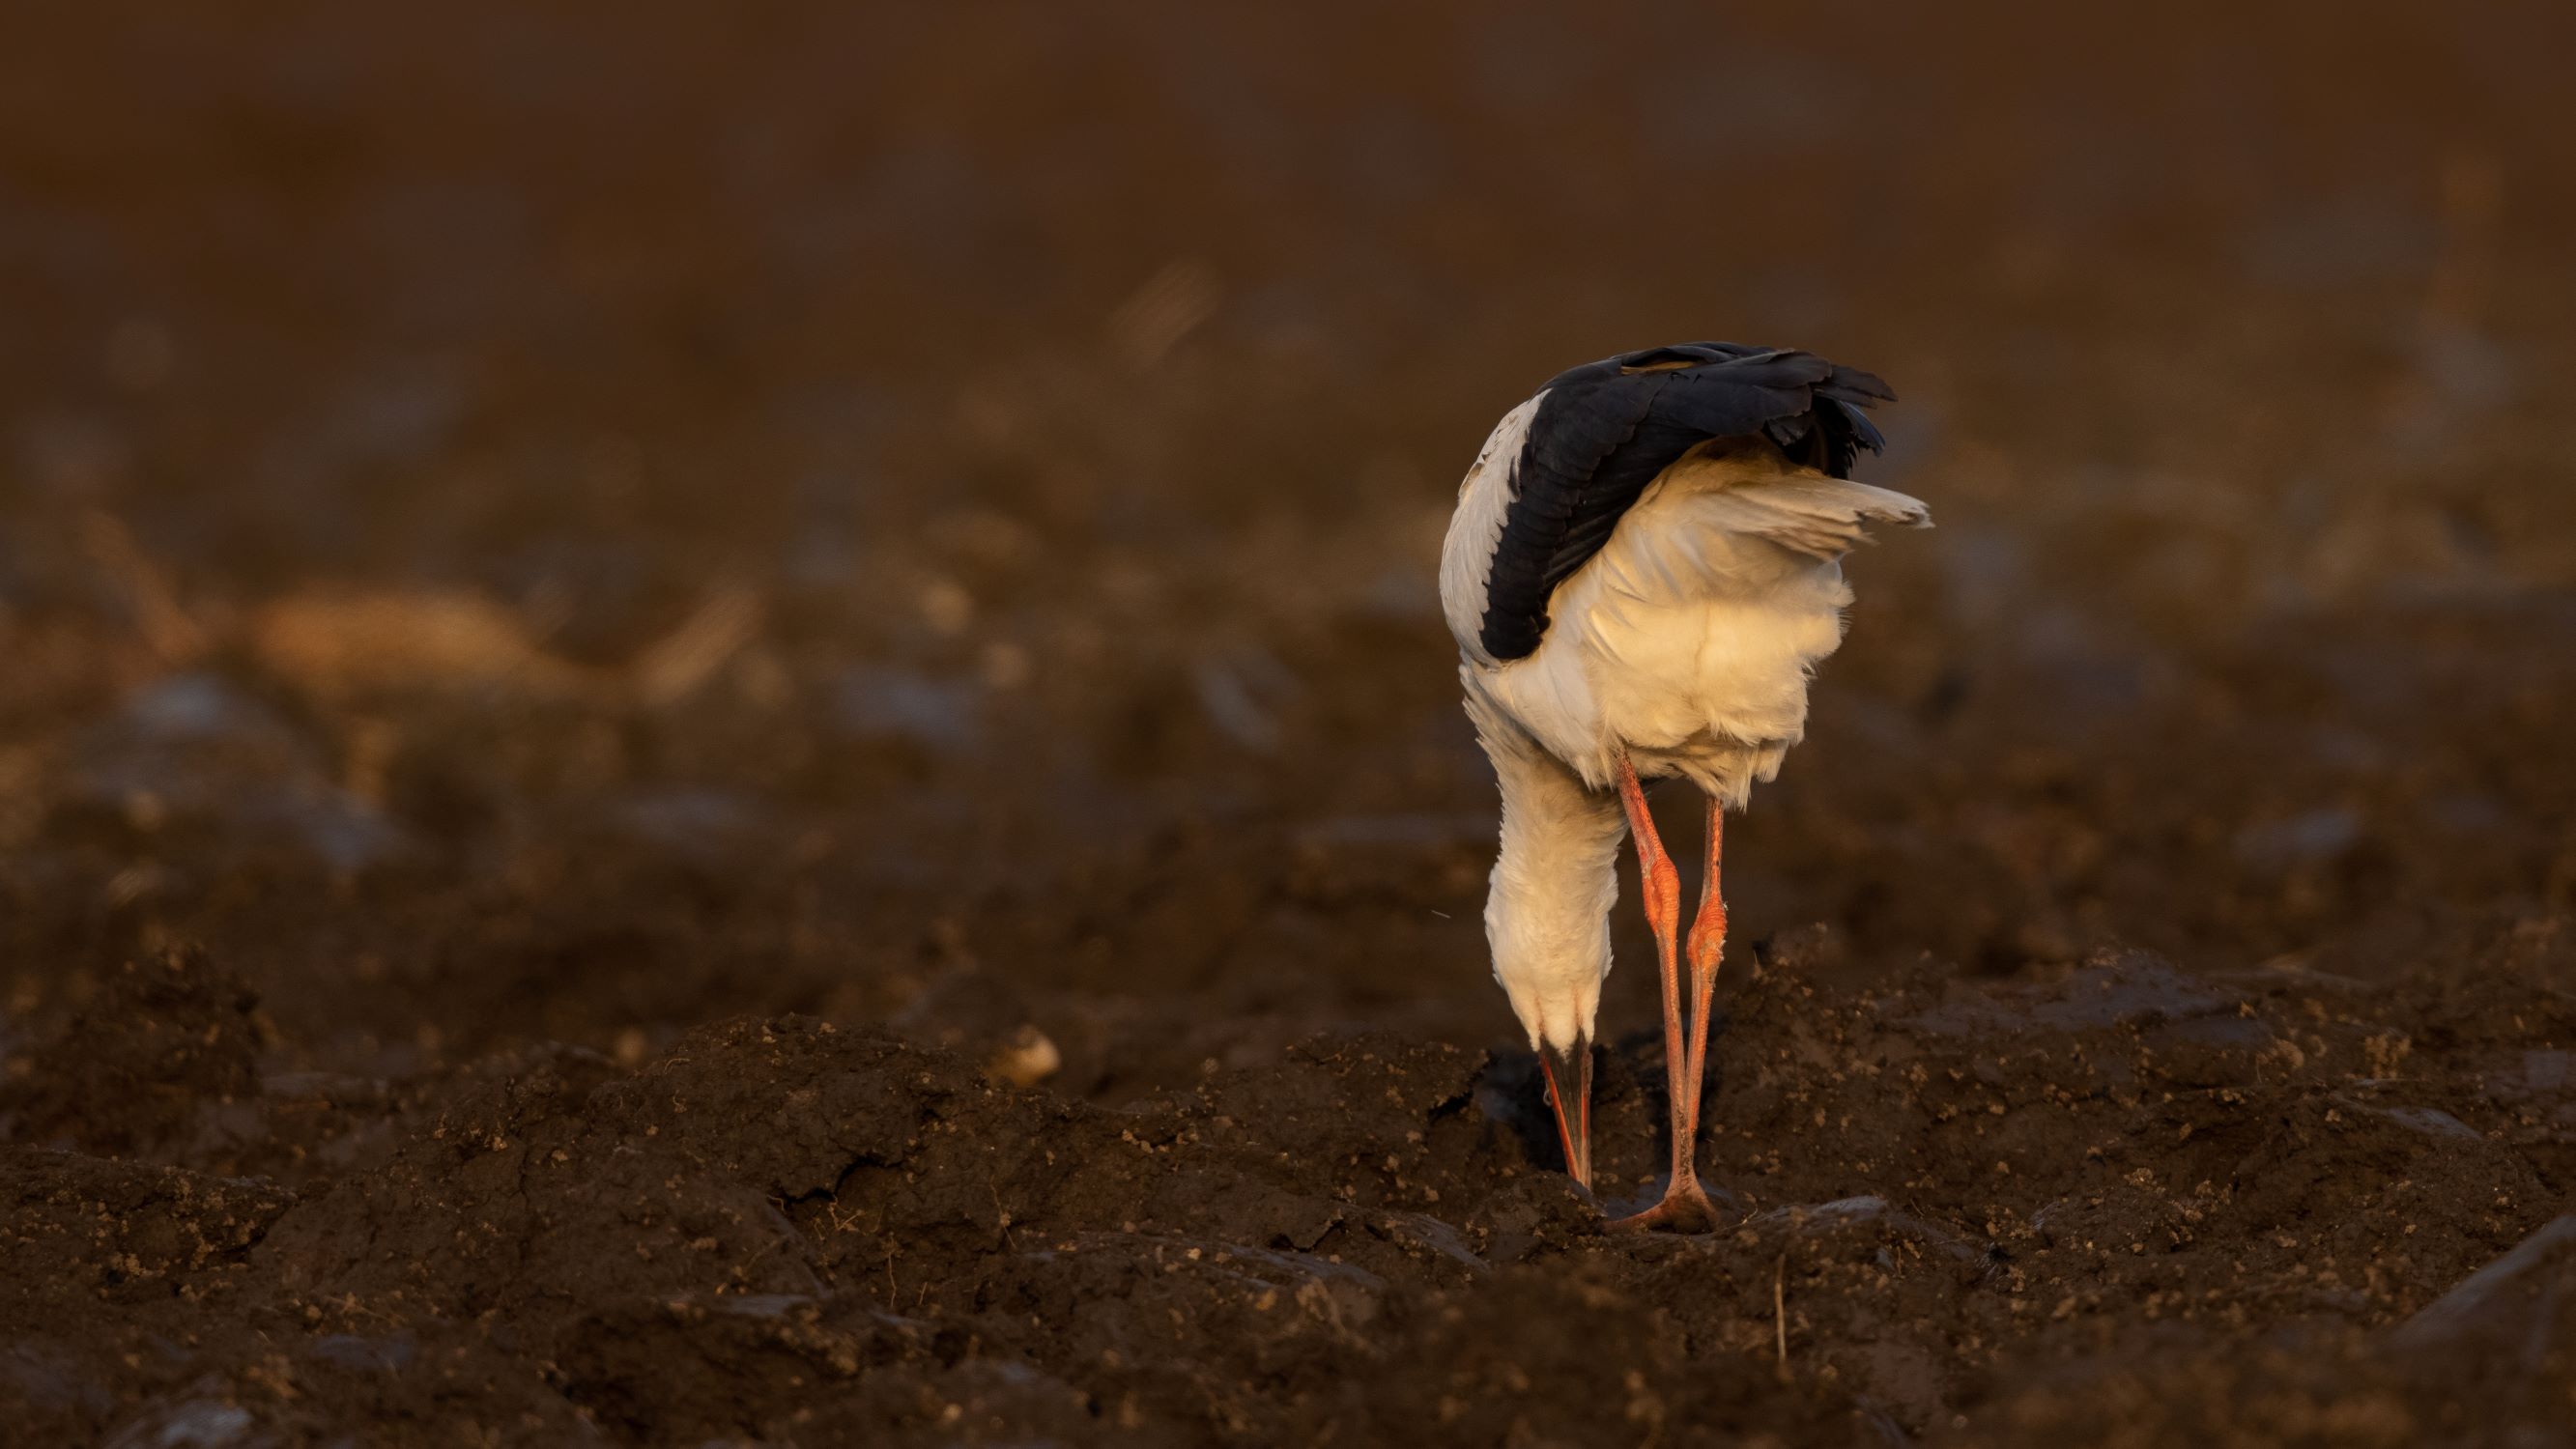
1643	570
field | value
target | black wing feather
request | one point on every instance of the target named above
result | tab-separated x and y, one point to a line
1605	430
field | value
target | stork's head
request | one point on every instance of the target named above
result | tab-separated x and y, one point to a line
1547	917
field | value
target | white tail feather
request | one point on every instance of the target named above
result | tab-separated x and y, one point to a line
1757	493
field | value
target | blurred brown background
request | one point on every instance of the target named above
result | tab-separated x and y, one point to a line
539	538
548	520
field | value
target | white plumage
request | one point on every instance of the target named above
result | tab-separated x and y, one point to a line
1687	641
1683	645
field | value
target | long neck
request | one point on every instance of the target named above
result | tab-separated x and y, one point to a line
1547	916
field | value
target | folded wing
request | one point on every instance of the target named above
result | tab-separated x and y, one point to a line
1602	432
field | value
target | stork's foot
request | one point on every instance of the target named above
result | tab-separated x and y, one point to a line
1684	1209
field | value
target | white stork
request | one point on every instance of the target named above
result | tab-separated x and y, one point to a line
1644	568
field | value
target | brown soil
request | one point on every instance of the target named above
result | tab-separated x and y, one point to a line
739	737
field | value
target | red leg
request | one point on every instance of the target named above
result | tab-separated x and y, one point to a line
1661	885
1684	1207
1707	944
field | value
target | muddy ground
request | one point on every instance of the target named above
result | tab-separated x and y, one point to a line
738	735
